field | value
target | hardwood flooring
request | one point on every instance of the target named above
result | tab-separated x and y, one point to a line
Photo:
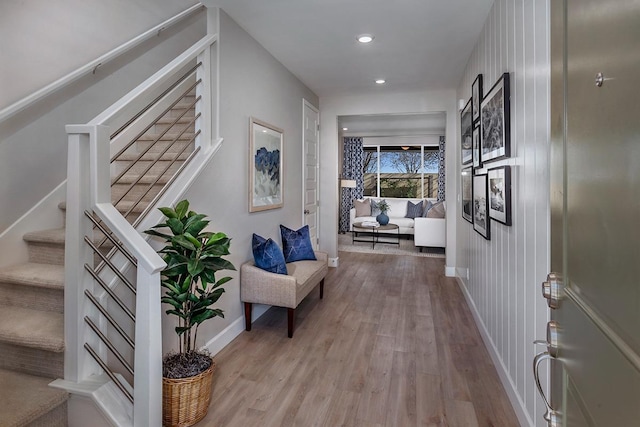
392	343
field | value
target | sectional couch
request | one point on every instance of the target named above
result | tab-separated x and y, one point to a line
426	231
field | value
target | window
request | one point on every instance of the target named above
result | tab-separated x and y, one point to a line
408	171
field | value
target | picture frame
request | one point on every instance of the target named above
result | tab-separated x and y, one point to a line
499	185
467	194
266	173
495	122
476	96
466	138
476	147
481	220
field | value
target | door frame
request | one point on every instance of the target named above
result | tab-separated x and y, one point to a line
306	104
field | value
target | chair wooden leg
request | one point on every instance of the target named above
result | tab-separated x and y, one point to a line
247	315
321	288
291	314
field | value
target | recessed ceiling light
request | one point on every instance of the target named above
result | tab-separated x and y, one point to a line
365	38
345	128
381	81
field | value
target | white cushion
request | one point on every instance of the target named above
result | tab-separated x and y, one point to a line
402	222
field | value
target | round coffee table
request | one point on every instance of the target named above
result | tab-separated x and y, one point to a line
375	231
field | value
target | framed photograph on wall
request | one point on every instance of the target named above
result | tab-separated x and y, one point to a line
476	96
495	122
466	127
481	221
500	194
476	147
265	166
467	194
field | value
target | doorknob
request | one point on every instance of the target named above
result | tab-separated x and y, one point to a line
551	290
552	339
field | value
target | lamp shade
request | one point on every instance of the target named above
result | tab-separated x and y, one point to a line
348	183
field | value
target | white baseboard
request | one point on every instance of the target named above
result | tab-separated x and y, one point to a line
333	262
449	271
220	341
512	392
462	273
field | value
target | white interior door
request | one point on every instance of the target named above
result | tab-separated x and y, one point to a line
310	155
594	336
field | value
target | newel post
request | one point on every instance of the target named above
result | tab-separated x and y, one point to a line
148	356
77	363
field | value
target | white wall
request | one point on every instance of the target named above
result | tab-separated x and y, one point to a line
505	273
33	143
387	103
42	40
252	83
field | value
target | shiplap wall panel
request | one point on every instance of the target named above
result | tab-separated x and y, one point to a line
504	274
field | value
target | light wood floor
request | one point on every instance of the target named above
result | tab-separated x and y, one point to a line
392	343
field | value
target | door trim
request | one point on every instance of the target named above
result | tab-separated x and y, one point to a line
305	104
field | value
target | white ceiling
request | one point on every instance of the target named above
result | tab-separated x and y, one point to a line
418	45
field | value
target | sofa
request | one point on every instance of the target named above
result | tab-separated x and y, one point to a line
282	290
426	231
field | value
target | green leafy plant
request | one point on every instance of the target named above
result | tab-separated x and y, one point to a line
193	257
383	206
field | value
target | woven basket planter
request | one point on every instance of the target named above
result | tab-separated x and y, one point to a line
185	401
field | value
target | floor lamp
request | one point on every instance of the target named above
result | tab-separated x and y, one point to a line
346	183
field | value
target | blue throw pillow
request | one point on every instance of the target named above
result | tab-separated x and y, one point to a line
296	244
414	210
267	255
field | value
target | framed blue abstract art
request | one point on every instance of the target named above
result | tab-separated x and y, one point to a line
265	166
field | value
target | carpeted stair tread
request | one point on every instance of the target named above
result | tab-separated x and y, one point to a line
182	120
32	328
147	179
124	205
34	274
52	236
186	136
148	157
25	398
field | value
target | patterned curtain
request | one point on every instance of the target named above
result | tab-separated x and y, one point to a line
352	164
441	193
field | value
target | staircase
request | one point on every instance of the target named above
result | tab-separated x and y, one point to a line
32	294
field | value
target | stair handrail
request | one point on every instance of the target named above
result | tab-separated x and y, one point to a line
88	189
92	66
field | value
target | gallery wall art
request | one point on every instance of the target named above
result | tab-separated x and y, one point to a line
481	220
265	166
500	194
476	98
467	194
495	122
466	138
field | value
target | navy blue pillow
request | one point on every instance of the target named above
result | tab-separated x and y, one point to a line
414	210
296	244
267	255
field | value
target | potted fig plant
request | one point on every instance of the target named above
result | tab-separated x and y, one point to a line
193	258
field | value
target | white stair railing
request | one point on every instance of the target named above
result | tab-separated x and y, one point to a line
101	313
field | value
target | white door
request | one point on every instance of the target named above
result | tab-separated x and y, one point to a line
310	154
594	336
